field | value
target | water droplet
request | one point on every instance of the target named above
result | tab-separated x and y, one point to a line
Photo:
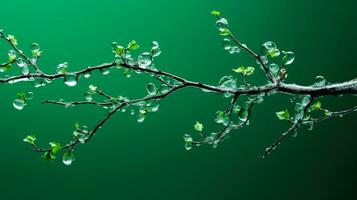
228	82
87	75
62	68
320	81
222	24
21	63
12	55
71	80
234	50
243	114
88	96
294	133
155	50
151	89
267	47
155	107
35	47
274	69
38	82
227	44
188	146
288	58
25	70
141	118
68	157
144	60
19	104
105	71
132	112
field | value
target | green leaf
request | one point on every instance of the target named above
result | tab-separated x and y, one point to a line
22	96
133	45
216	13
316	106
55	147
283	115
12	39
36	53
30	139
77	125
48	156
119	50
198	127
246	71
92	88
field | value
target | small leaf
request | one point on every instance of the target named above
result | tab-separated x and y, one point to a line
119	50
283	115
92	88
216	13
198	127
133	45
12	39
48	156
225	32
246	71
22	96
30	139
55	147
316	106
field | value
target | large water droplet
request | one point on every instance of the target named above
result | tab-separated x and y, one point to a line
267	47
12	55
320	81
19	104
234	50
227	44
25	70
274	69
288	58
151	89
155	50
144	60
71	80
141	118
21	63
68	157
87	75
88	96
222	24
35	47
243	114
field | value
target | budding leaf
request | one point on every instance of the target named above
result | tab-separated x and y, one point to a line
316	106
198	127
246	71
225	32
216	13
12	39
77	125
133	45
119	50
55	147
283	115
48	156
30	139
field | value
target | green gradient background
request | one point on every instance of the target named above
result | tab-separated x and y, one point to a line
127	160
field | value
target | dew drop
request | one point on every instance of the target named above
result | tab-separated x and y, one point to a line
88	96
68	157
71	80
21	63
151	89
288	58
105	71
19	104
141	118
144	60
